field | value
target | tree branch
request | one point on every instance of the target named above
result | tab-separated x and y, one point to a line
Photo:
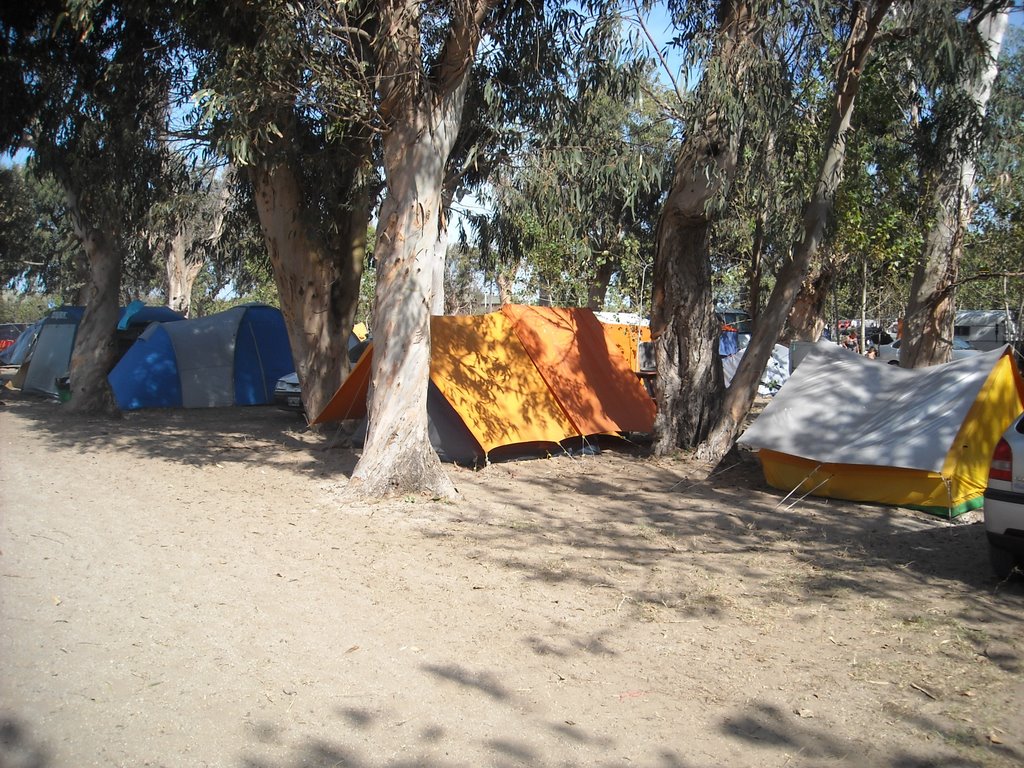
459	49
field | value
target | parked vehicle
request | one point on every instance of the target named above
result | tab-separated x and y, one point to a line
1004	502
287	394
890	353
878	336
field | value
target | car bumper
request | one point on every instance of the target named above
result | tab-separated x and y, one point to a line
1004	519
289	401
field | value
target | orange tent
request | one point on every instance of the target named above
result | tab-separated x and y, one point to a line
523	376
627	339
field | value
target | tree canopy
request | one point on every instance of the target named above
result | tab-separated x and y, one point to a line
255	147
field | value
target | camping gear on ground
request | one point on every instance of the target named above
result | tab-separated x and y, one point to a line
522	379
846	427
776	370
234	357
50	355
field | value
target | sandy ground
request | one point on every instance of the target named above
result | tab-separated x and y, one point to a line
189	589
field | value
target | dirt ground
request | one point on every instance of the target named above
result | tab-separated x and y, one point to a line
190	589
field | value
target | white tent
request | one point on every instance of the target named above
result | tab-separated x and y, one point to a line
849	427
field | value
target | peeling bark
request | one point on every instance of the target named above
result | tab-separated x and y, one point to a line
397	456
422	109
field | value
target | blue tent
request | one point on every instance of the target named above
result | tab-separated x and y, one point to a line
234	357
50	356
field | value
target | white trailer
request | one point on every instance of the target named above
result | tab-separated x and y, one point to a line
986	328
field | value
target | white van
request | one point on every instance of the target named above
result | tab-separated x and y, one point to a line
986	328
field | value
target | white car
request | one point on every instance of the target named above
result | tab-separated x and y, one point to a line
890	353
1004	502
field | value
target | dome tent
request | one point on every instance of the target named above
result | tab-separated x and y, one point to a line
519	380
49	357
231	358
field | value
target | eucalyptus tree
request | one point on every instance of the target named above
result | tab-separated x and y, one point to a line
83	85
861	29
578	204
756	57
426	63
875	227
284	90
961	93
992	269
725	41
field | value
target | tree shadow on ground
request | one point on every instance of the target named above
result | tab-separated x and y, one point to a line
196	437
18	747
847	544
757	732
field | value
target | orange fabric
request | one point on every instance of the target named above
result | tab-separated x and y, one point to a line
521	375
592	381
349	402
489	379
625	339
483	371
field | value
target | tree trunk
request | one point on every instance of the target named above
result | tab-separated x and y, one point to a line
683	323
867	17
504	282
182	270
690	381
807	317
80	272
598	289
95	350
928	326
183	260
439	261
318	285
864	305
755	266
437	301
397	456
